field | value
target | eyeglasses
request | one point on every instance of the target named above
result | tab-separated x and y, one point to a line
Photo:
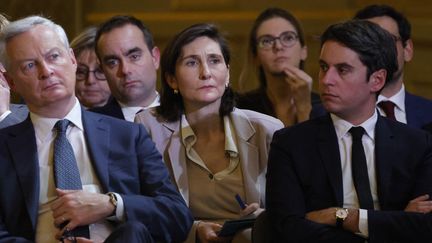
83	74
287	39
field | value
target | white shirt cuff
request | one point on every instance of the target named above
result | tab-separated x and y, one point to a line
119	213
363	223
4	115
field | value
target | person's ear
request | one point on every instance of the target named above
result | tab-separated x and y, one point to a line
10	81
408	50
72	56
172	82
155	57
377	80
304	53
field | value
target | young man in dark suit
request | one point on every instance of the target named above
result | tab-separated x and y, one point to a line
352	175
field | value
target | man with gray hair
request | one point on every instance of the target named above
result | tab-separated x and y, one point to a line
68	174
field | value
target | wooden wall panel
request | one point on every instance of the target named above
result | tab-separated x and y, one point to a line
167	17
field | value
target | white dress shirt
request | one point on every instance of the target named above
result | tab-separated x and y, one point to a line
4	115
350	199
129	112
399	100
45	134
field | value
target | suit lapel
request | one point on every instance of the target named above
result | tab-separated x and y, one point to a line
384	140
329	151
249	155
22	147
97	135
177	159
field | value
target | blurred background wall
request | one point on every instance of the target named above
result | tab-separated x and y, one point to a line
234	17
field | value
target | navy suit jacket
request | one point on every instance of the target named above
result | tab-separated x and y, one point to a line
304	174
19	112
418	110
111	108
125	160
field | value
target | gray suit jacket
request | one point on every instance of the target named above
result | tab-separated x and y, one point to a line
19	114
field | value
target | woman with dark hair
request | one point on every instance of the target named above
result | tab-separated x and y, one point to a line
213	150
276	55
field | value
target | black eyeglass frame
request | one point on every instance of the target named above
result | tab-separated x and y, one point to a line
83	74
293	38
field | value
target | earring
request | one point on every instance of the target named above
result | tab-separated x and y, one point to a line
226	84
175	91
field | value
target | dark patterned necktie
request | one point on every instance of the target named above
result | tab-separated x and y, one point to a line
359	169
65	166
66	170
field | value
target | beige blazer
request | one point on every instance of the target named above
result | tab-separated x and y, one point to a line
253	130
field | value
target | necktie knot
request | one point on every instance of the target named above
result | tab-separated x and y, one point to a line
61	125
388	108
357	132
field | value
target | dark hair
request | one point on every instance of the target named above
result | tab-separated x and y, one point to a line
120	21
171	105
375	47
372	11
265	15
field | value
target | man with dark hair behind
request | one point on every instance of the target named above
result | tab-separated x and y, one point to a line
351	175
130	60
394	101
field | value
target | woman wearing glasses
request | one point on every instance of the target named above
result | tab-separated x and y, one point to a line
276	54
91	86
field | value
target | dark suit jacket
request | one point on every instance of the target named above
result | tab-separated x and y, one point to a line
125	160
111	108
418	110
19	112
304	174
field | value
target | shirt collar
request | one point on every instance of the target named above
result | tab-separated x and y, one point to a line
43	126
188	136
398	99
155	102
129	112
342	127
230	139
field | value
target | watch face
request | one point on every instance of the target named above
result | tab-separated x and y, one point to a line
341	213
